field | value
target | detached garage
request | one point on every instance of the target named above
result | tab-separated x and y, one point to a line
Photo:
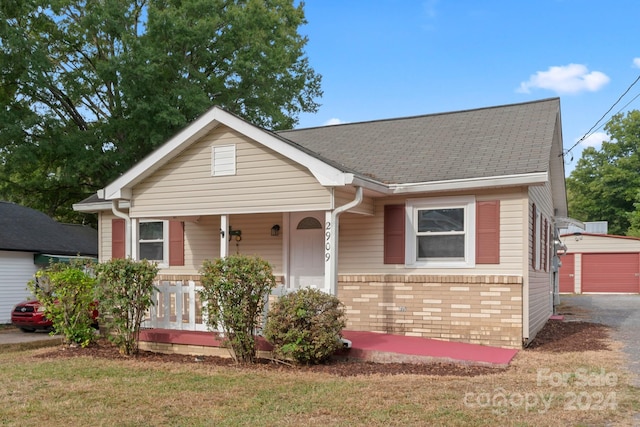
600	263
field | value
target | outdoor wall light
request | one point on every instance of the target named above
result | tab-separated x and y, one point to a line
275	230
236	233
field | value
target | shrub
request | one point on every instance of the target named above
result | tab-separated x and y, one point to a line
305	326
66	291
235	289
125	293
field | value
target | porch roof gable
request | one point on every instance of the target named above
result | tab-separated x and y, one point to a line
325	172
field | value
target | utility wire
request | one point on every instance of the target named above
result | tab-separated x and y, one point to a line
588	133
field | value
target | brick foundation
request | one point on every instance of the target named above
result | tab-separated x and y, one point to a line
473	309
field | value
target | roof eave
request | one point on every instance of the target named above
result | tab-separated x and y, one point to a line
534	178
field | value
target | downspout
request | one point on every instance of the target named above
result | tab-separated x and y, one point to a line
127	228
331	240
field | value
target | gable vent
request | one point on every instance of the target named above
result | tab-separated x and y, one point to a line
223	160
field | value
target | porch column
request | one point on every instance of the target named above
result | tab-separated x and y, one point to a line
224	239
331	242
331	252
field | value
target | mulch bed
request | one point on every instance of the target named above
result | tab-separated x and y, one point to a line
556	336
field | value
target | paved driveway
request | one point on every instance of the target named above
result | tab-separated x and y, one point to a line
622	312
14	337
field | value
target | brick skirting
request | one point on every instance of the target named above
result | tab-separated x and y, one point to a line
473	309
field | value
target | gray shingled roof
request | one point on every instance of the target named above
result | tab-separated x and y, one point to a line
28	230
494	141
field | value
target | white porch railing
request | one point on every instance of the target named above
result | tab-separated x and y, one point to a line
177	305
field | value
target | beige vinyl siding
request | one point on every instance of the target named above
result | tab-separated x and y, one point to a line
347	195
577	273
600	244
202	241
539	283
361	240
265	181
104	235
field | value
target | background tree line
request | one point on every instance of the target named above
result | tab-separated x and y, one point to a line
90	87
605	185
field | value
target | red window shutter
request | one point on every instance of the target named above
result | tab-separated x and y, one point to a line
118	245
394	229
488	232
176	243
545	251
534	243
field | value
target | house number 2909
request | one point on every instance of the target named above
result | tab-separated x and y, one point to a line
327	242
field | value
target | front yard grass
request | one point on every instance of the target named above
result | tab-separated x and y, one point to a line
540	388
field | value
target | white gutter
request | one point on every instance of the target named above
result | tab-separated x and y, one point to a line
331	242
536	178
127	228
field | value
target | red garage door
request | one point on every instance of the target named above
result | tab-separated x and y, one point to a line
567	278
611	273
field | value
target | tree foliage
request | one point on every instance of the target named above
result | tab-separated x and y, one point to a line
235	289
605	185
88	88
67	292
125	291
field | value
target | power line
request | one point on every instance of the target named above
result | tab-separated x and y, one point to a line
588	133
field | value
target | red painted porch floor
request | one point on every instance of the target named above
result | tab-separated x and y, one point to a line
370	346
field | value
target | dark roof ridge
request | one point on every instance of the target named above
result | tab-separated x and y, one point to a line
419	116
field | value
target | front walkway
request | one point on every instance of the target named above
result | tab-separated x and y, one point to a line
371	346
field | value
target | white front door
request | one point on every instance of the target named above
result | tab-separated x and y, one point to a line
306	250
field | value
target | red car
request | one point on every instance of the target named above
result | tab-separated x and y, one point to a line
29	316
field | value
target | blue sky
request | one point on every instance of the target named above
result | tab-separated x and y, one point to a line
393	58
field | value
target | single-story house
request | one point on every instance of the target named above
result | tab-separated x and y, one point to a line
29	239
439	226
600	263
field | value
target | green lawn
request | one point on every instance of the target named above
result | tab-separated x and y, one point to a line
82	391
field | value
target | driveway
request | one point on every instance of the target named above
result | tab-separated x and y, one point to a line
621	312
10	338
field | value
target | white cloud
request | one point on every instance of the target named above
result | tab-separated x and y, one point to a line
636	62
572	78
595	139
332	121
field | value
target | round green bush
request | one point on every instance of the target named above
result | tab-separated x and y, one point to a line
305	326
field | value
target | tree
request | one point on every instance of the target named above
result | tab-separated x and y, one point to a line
605	182
88	88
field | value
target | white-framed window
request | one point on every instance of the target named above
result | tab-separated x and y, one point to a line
440	232
223	160
153	241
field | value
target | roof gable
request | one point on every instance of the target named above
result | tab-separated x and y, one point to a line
323	171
